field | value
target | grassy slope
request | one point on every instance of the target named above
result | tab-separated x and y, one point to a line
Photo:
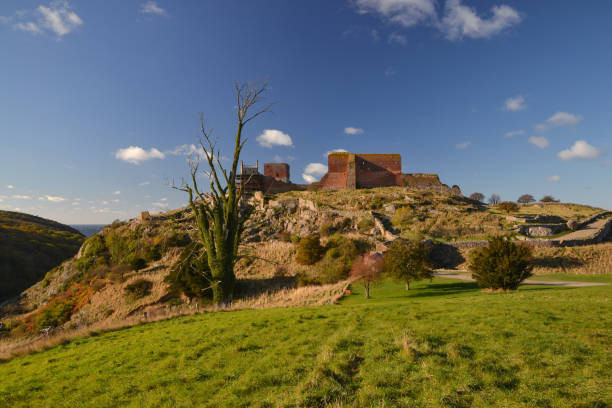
30	247
443	344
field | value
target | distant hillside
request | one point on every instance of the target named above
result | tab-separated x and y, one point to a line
29	247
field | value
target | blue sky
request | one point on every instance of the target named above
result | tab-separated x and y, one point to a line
504	97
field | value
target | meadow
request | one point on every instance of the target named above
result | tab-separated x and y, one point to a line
442	344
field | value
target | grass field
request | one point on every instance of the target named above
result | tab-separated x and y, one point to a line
443	344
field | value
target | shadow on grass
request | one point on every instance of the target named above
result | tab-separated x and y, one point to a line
441	289
257	287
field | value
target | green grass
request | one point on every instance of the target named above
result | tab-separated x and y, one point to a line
606	278
443	344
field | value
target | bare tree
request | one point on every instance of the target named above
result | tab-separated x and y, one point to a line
494	199
477	197
526	199
219	215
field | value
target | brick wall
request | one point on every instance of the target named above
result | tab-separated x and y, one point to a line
278	171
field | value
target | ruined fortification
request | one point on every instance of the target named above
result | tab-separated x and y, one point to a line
353	171
345	171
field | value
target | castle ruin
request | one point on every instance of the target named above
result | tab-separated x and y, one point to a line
345	171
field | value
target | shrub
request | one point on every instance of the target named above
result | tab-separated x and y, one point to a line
139	288
284	236
309	250
508	207
366	223
154	253
138	264
501	265
548	199
117	273
494	199
327	227
55	314
407	260
190	274
295	238
377	202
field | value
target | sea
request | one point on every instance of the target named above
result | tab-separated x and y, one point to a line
88	229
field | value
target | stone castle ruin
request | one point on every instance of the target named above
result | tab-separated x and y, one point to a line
345	171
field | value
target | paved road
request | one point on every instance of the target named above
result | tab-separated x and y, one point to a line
468	277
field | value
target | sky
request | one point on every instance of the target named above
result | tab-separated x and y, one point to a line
100	101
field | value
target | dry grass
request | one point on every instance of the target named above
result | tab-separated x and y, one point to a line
581	260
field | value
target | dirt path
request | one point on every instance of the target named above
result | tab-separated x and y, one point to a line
468	277
589	231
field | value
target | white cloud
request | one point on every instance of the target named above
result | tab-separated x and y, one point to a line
55	199
281	159
514	133
273	137
389	72
313	172
539	141
163	199
553	179
57	18
580	150
21	197
116	200
117	192
406	13
559	119
458	21
462	21
151	7
398	38
28	27
327	153
144	183
10	186
463	145
349	130
75	203
514	104
190	150
137	155
160	205
1	200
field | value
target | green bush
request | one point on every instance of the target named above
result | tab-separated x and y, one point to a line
407	260
190	275
309	250
284	236
55	315
501	265
295	238
138	264
139	288
508	207
154	253
365	224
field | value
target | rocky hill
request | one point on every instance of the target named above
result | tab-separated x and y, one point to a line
120	272
30	246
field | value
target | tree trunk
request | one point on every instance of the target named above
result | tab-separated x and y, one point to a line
223	285
367	290
407	285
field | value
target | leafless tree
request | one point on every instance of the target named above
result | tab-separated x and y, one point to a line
526	199
494	199
219	214
368	269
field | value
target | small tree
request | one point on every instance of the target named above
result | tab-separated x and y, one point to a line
548	199
526	199
501	265
477	197
494	199
368	269
309	250
508	207
407	261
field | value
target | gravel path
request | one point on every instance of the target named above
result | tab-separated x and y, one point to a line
589	231
468	277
